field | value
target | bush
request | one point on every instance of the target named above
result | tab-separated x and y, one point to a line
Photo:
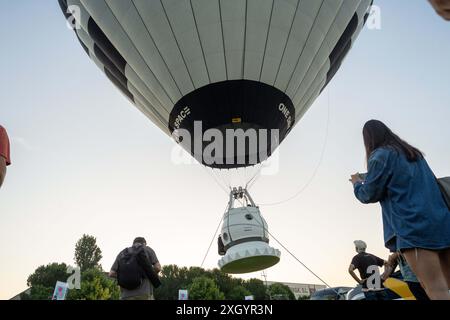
95	285
238	293
203	288
279	291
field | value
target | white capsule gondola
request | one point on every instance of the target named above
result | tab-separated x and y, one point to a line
244	238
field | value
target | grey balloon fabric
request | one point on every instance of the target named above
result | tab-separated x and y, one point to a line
235	62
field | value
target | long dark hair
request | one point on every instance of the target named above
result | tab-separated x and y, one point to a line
376	134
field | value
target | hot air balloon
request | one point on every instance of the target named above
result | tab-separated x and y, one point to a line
228	79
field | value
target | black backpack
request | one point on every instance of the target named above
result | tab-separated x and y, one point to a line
129	273
135	265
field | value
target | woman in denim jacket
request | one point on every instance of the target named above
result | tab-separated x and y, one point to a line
416	219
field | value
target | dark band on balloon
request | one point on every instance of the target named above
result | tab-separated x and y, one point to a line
110	66
64	7
68	15
102	41
122	87
341	49
113	62
86	49
367	15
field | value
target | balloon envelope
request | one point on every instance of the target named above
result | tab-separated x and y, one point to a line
197	68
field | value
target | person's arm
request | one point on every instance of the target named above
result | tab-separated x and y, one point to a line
157	267
154	260
374	187
114	268
2	170
112	274
390	266
442	8
351	271
385	264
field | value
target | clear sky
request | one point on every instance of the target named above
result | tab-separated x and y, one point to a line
86	161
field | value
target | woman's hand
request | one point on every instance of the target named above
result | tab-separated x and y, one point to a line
355	178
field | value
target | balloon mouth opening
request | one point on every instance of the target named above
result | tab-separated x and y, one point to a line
232	124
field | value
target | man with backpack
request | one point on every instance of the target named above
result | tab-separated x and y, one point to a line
136	269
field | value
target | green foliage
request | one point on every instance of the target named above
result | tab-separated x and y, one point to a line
257	288
195	272
47	276
174	278
279	291
204	288
87	253
225	282
43	280
95	285
38	292
238	293
202	285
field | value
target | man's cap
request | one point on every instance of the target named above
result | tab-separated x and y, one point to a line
359	244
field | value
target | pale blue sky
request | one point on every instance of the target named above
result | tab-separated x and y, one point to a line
86	161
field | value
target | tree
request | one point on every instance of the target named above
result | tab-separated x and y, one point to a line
279	291
196	272
257	288
95	285
224	281
38	292
172	279
48	275
43	280
204	288
238	293
87	253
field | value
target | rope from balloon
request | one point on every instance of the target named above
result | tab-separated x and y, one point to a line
294	256
256	176
214	237
322	154
274	238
